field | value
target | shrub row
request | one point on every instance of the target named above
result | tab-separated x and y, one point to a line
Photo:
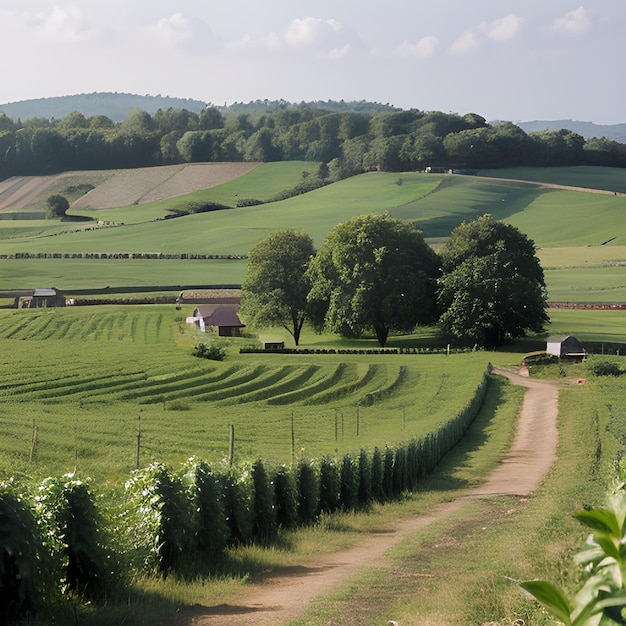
123	255
456	350
121	300
180	522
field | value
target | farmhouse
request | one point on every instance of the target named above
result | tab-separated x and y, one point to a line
216	308
565	346
221	316
40	298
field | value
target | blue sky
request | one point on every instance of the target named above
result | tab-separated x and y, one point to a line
515	60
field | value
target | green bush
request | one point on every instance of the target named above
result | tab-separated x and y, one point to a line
349	487
209	528
308	493
286	498
399	481
157	520
365	479
606	368
212	352
378	488
264	529
71	527
19	542
238	492
388	473
329	485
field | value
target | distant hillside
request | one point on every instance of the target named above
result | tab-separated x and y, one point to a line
616	132
115	106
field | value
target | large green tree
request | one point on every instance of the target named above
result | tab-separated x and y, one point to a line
373	273
492	288
275	286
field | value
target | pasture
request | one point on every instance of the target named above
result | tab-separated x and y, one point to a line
87	379
580	234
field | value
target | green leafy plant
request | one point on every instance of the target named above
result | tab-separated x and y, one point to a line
71	527
603	595
213	352
19	541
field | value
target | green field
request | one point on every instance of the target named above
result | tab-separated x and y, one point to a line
581	234
84	376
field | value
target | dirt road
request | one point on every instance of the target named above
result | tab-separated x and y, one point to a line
287	593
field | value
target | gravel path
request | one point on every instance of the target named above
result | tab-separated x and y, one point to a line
286	594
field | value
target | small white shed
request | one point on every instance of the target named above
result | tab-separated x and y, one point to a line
565	346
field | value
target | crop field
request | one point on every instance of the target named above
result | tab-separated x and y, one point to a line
580	234
78	384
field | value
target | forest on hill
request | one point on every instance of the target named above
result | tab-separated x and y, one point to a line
347	138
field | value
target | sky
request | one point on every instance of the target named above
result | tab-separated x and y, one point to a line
515	60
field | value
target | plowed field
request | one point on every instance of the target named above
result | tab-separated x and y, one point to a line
123	187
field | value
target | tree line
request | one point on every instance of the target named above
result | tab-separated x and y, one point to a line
347	142
374	275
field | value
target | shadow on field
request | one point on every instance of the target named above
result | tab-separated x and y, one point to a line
444	478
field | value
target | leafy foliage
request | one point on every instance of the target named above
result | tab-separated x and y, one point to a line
606	368
286	497
71	527
264	508
275	287
373	272
492	288
209	528
213	352
603	595
157	519
19	541
57	206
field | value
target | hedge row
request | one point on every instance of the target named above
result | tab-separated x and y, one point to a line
450	350
123	255
180	522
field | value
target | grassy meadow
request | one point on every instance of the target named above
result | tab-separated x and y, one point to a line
87	378
580	236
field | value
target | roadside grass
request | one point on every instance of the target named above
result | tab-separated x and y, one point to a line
466	568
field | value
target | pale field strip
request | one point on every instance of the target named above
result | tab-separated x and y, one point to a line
124	187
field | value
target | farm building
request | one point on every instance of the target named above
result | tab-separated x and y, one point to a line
565	346
221	316
40	298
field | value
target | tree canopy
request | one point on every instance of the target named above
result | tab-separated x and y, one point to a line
373	273
492	288
57	206
275	286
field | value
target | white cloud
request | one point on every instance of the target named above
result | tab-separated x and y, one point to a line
498	31
311	31
465	44
504	28
172	30
423	49
324	37
573	23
